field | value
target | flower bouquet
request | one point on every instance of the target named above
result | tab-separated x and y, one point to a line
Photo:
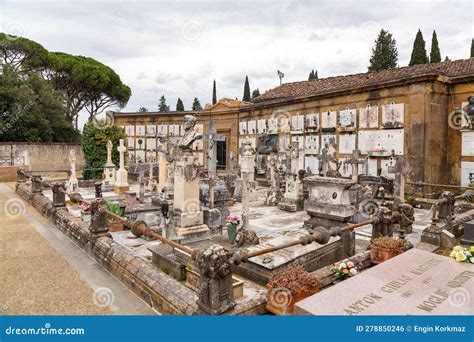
344	270
463	254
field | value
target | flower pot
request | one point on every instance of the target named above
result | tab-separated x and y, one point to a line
231	232
281	302
379	254
115	226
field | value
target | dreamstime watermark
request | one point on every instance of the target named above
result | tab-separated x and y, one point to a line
103	297
192	31
15	115
14	208
369	30
458	119
459	297
104	123
191	205
280	297
14	30
24	287
283	118
46	330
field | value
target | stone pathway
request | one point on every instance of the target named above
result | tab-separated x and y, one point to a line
42	272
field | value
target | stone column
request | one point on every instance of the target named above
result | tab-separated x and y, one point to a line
215	281
121	184
247	173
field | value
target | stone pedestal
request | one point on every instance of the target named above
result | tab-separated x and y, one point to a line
189	218
330	200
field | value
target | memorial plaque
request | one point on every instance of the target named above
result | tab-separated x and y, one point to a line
414	283
140	130
312	122
130	130
297	124
467	143
140	143
329	119
381	142
312	144
140	156
150	130
285	124
251	140
261	126
369	117
372	168
347	118
162	130
347	143
174	130
273	126
467	173
131	143
311	162
346	169
325	139
252	127
393	115
243	127
151	144
384	164
284	143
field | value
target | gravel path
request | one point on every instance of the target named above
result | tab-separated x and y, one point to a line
34	278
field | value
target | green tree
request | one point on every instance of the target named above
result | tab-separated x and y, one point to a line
313	75
384	53
163	107
246	96
30	110
472	48
197	105
214	93
94	146
255	93
179	105
142	110
435	54
418	54
22	54
447	59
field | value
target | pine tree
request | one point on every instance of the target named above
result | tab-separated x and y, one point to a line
255	93
418	54
197	105
435	54
142	109
246	96
162	107
214	93
384	53
179	105
316	75
311	75
472	48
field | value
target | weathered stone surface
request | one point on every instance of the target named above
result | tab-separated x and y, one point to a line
414	283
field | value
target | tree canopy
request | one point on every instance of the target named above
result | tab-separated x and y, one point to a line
255	93
246	96
418	54
384	53
214	93
197	105
179	105
313	75
435	54
162	106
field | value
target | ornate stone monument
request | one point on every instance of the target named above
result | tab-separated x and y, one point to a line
110	173
293	197
121	185
189	217
72	183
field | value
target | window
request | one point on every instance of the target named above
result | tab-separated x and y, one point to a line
221	152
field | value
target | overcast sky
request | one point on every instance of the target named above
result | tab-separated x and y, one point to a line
177	48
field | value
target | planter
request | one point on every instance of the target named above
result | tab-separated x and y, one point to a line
231	232
281	302
115	226
379	254
192	281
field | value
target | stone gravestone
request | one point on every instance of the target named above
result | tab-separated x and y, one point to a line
414	283
121	185
247	172
110	173
189	218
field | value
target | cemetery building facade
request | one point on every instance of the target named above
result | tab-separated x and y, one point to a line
419	112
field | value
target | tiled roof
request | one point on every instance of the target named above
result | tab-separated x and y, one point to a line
340	83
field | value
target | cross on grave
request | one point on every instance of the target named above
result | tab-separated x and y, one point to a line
355	161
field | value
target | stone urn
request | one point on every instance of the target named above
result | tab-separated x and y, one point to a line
386	247
380	254
231	232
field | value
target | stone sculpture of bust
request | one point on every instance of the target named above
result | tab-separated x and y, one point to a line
191	134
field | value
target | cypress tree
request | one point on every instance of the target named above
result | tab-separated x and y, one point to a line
472	48
311	75
384	53
246	96
447	59
214	93
162	107
179	105
418	54
196	104
255	93
435	54
316	75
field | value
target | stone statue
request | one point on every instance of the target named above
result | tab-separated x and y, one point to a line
190	133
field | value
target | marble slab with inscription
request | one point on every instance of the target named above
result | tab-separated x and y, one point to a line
377	140
284	256
369	117
329	119
347	143
252	127
243	127
416	282
467	170
467	143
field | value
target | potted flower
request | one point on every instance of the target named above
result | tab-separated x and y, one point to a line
463	254
345	269
232	222
386	247
113	223
289	287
